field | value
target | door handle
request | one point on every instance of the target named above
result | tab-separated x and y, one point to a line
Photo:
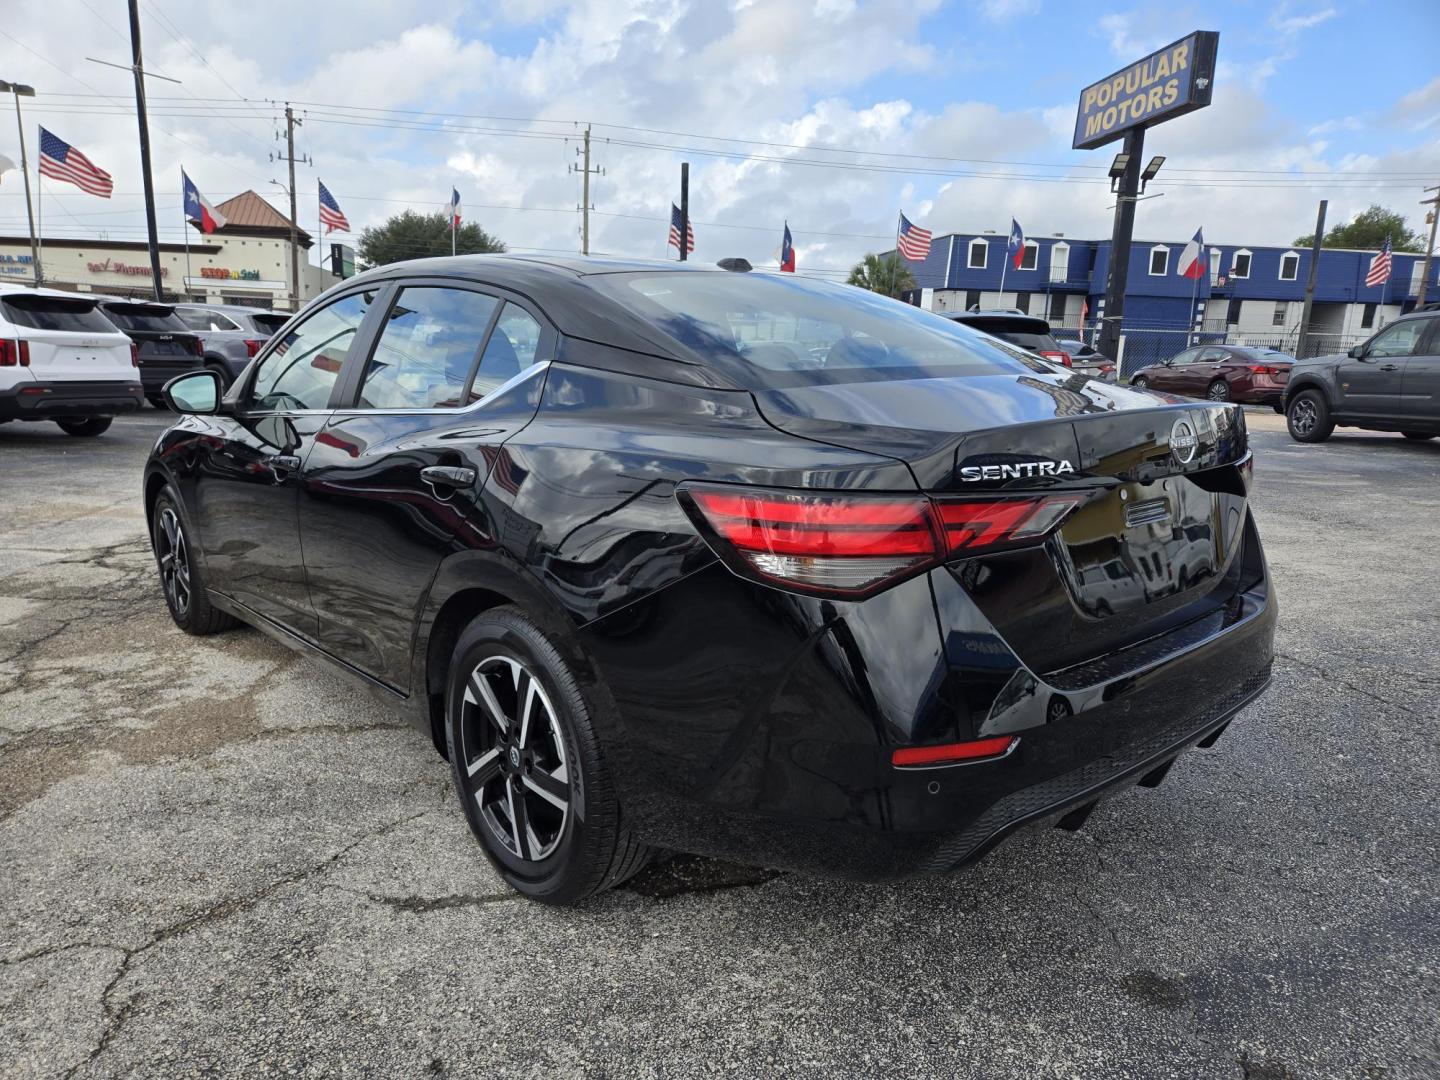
448	476
283	461
1389	367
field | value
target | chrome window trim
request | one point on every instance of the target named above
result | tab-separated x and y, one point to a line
474	406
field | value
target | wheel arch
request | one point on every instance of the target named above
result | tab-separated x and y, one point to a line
1308	382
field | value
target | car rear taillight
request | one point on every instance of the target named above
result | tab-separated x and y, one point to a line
854	545
1057	357
14	353
252	346
1261	369
1105	369
197	346
950	753
134	355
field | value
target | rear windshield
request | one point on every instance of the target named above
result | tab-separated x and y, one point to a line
775	331
57	313
1273	356
268	324
144	317
1038	342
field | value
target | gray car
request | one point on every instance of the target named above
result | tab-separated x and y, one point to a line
231	334
1389	383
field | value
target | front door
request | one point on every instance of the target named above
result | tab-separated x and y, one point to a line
1369	383
393	483
1171	377
245	496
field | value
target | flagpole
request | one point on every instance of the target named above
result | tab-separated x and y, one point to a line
1194	292
185	229
453	230
1003	267
319	225
39	224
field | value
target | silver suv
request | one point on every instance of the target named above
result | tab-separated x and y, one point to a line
231	333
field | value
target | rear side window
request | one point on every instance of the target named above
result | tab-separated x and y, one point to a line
205	320
300	370
145	318
779	331
269	324
57	313
510	350
427	350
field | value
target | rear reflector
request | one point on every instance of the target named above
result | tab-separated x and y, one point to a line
853	545
947	753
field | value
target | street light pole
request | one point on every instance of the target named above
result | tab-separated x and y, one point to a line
19	90
137	66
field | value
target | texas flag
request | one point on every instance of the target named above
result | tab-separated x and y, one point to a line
1192	259
454	208
198	208
787	251
1016	243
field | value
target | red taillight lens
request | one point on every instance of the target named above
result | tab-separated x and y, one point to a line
948	753
988	523
852	545
197	346
252	347
134	355
14	352
1057	357
1261	369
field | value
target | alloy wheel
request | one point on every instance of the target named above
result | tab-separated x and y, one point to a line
515	763
1219	392
174	559
1303	417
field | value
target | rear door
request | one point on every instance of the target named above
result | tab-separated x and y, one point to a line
245	491
1420	383
1369	385
392	485
69	340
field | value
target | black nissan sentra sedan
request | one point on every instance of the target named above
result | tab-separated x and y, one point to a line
734	563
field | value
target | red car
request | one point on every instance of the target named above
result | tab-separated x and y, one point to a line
1250	375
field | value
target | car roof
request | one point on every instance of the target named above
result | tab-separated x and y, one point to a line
1000	320
231	309
30	290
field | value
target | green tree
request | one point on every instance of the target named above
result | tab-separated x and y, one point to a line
886	275
1367	231
409	235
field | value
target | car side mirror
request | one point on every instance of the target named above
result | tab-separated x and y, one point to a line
1357	352
279	432
196	393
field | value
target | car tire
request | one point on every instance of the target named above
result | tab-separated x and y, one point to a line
182	581
158	400
1219	390
537	794
1307	415
1140	383
1417	436
85	426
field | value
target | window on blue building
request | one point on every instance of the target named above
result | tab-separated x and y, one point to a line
1159	260
1367	317
979	253
1289	266
1240	265
1029	255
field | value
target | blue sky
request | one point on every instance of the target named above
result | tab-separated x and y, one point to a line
1337	100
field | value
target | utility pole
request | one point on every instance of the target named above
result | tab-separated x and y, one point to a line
684	210
290	125
586	171
1434	203
138	69
20	90
1120	244
1301	346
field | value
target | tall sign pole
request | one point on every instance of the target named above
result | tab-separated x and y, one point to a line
138	69
684	210
1301	347
1120	236
25	91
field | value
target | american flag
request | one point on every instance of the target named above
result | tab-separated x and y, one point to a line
1379	266
330	215
61	161
912	241
675	231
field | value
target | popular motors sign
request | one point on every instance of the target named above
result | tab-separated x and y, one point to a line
1171	82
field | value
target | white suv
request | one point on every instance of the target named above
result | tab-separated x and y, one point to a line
61	359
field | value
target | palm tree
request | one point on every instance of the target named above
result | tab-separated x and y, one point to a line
886	275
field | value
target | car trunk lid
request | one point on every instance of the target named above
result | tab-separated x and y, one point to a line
68	340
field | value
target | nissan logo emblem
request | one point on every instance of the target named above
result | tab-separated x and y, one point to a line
1183	442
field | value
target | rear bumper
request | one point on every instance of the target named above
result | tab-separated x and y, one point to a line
49	400
155	373
758	726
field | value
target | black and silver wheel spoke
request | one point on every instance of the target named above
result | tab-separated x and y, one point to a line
514	760
174	560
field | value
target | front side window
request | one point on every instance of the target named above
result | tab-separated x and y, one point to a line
1189	356
300	370
202	320
427	350
511	349
1397	340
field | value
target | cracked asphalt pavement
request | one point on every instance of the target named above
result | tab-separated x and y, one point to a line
217	858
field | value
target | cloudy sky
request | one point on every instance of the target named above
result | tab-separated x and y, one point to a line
832	114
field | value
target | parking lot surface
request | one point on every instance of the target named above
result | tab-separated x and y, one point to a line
217	858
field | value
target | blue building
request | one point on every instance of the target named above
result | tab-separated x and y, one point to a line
1253	294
